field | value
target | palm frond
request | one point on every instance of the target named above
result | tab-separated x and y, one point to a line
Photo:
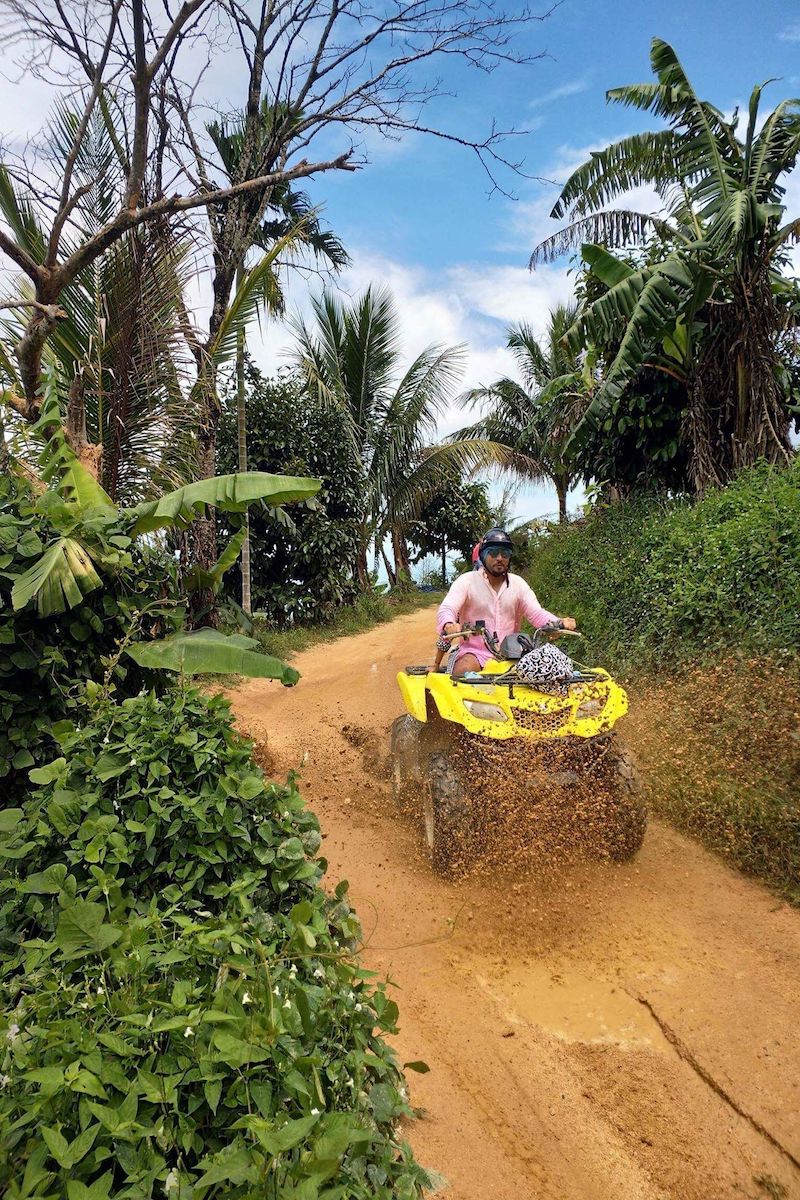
640	160
614	227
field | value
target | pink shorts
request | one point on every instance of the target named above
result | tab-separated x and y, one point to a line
476	647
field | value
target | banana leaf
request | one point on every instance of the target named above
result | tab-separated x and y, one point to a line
230	493
58	580
209	652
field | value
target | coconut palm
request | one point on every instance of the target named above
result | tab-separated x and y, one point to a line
351	359
535	418
285	215
714	286
117	356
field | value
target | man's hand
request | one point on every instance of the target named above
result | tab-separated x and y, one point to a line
569	622
451	627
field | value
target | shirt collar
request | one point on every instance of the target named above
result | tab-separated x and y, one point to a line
485	575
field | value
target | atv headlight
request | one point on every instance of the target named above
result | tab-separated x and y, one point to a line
590	708
485	712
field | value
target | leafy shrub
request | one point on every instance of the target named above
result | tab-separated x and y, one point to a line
44	662
183	1013
658	581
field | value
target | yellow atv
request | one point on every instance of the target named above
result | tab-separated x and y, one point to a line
502	738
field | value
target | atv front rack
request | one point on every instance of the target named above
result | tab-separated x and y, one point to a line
510	679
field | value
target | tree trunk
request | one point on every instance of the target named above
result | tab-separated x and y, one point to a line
391	574
737	412
444	562
402	566
562	487
241	438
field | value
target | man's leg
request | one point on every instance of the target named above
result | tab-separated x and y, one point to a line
467	662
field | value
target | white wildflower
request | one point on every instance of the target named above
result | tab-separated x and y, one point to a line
319	973
13	1033
101	991
315	1112
5	1080
359	1007
172	1181
293	969
276	991
133	762
287	1004
188	1031
246	998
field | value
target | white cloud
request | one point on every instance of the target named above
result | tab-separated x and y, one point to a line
791	33
573	88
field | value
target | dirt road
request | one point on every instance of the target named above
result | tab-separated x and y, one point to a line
595	1032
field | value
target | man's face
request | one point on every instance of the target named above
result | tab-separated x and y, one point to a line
497	560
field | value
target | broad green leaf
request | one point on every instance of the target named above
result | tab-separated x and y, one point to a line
196	578
235	1164
608	269
209	652
230	493
9	819
45	883
82	930
50	1079
58	580
277	1139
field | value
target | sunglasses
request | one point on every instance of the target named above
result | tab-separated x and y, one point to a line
498	552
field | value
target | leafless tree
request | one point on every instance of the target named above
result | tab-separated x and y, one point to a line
313	72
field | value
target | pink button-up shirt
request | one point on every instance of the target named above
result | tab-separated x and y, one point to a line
472	598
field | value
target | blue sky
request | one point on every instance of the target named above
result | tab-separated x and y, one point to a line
420	216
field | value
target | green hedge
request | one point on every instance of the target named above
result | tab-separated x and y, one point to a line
182	1011
659	581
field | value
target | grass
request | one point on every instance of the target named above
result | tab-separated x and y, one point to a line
368	611
719	750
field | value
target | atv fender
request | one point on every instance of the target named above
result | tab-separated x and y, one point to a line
413	691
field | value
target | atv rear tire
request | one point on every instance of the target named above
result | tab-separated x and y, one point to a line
446	815
626	817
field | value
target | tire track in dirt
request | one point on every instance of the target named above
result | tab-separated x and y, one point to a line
548	1079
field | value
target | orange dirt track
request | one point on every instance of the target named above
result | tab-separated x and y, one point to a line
592	1031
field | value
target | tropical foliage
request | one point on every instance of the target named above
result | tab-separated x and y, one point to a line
117	356
453	518
303	570
82	578
183	1013
535	418
715	300
350	360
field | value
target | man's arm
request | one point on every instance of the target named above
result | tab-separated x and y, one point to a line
533	610
452	604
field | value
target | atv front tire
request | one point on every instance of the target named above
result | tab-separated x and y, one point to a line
406	757
445	810
625	819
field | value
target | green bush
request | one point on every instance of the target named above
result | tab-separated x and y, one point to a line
184	1016
657	581
45	662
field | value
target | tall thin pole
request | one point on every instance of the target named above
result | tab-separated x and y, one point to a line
241	440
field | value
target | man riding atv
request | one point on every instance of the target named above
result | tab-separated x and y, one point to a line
494	595
512	707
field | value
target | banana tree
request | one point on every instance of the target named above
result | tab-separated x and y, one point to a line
91	536
718	284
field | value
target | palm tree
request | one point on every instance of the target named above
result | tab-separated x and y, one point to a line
536	418
287	217
351	359
714	287
117	357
